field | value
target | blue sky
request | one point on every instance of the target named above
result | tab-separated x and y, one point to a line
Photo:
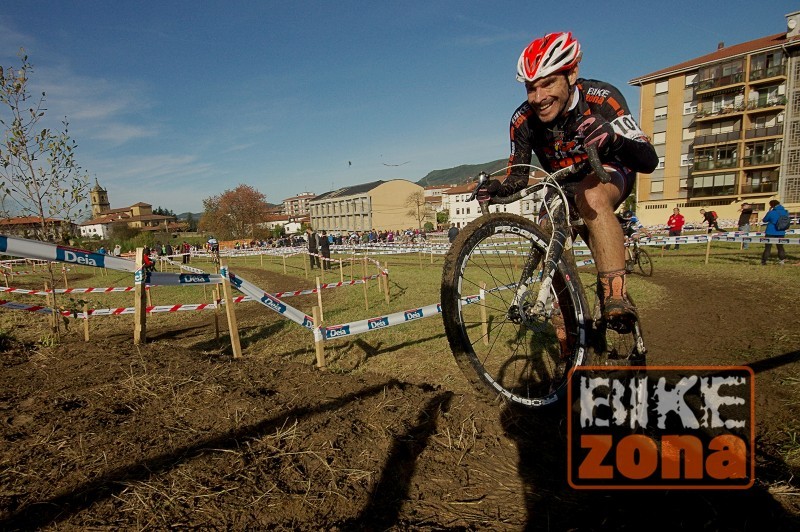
171	102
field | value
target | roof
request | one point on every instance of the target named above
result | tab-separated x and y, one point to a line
28	220
350	191
763	43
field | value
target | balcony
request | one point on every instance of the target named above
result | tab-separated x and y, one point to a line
731	136
767	73
705	192
760	188
713	113
758	132
765	102
762	159
702	166
708	85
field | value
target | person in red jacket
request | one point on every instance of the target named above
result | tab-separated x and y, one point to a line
675	224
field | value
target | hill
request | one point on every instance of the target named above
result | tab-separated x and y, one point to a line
460	174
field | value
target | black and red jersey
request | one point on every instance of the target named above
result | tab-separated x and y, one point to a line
556	146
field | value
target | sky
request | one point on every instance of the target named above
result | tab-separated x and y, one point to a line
171	102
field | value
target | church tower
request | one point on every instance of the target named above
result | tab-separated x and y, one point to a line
99	199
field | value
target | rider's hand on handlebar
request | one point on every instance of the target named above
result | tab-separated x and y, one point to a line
596	131
490	190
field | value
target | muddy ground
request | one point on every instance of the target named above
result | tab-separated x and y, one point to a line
105	435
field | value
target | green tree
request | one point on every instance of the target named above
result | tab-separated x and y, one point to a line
39	173
39	176
191	222
234	213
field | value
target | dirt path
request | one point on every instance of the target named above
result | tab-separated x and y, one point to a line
177	435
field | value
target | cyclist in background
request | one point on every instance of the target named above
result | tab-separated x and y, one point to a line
213	245
630	224
564	114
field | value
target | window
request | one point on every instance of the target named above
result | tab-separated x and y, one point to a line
659	138
691	79
688	133
656	187
686	159
662	87
689	108
660	163
683	183
660	112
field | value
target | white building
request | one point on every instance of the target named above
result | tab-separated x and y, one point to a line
461	211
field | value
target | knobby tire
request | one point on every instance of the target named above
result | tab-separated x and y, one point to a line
522	361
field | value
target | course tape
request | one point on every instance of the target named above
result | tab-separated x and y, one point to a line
20	247
268	300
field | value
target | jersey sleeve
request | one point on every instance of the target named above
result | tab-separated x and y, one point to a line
521	150
632	147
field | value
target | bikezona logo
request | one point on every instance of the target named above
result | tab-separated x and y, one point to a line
661	428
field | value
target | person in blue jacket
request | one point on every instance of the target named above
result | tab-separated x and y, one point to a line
776	211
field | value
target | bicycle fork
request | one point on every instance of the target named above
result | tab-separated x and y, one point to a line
542	306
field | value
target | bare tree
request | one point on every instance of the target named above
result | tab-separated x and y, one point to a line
418	208
39	176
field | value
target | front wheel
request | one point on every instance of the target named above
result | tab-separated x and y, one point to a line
645	264
503	343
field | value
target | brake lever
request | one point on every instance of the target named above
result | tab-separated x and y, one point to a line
483	180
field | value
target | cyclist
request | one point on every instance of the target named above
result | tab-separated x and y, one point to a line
563	114
630	224
213	245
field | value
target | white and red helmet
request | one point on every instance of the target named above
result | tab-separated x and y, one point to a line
555	52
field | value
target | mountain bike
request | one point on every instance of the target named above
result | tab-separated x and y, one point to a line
513	304
635	255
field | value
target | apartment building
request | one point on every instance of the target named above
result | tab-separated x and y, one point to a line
297	205
726	128
380	205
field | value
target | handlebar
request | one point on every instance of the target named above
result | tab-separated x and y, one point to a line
594	163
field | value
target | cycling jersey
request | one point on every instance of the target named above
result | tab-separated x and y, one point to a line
555	144
629	226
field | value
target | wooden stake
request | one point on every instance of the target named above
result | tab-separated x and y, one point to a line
66	282
319	301
86	322
139	301
366	299
318	339
386	281
215	295
233	328
341	271
284	264
305	265
708	247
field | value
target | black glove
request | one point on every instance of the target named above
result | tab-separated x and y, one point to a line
489	191
596	131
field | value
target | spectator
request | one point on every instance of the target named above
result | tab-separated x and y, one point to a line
325	250
710	217
313	247
186	250
102	250
117	250
776	210
675	224
744	220
452	233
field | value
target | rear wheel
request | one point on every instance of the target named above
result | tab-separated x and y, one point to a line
645	264
503	346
